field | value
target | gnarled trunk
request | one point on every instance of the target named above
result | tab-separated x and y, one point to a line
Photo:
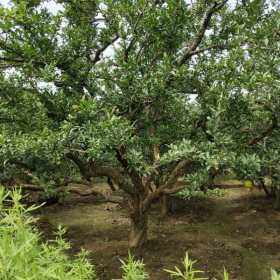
138	229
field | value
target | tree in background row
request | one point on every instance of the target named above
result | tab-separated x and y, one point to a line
142	92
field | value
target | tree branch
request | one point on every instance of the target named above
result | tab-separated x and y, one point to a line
188	51
178	187
177	172
169	183
216	46
134	176
100	51
74	190
265	133
89	171
83	168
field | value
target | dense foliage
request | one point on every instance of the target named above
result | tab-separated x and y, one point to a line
143	92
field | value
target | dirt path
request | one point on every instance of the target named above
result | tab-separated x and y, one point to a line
239	231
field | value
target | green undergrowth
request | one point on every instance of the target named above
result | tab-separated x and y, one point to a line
134	269
24	256
198	194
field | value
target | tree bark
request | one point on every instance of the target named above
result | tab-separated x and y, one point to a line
164	209
267	192
277	200
138	229
111	183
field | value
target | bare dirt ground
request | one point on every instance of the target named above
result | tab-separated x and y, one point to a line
239	231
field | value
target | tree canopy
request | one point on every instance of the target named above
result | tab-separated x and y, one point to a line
143	92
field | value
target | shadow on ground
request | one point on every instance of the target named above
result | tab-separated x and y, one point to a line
239	231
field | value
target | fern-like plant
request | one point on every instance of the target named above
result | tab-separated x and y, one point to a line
24	256
188	273
133	269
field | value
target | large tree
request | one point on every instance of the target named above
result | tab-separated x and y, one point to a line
142	92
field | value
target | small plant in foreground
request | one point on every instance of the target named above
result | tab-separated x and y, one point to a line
133	269
24	256
275	275
188	273
226	275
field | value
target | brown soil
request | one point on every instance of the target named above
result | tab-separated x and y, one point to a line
239	231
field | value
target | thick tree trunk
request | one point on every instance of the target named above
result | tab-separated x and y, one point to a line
138	229
164	209
277	200
111	183
265	189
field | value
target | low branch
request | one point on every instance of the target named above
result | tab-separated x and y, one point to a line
91	170
176	173
134	176
179	187
82	166
168	186
72	189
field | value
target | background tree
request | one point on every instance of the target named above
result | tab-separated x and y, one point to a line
143	92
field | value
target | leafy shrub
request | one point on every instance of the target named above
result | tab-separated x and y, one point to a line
23	255
133	269
190	193
275	275
188	273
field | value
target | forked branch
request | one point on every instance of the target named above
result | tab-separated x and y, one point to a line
190	50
